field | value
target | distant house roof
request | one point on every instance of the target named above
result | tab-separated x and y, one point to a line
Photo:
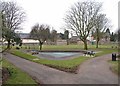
24	35
75	38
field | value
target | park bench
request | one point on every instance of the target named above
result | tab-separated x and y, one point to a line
91	53
34	52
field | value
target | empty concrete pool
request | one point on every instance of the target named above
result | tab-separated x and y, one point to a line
58	55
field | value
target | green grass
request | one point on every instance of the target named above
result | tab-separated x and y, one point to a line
114	66
59	64
68	47
16	75
105	51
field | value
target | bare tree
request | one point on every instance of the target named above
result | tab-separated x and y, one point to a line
40	33
80	19
107	34
101	25
53	36
12	17
66	36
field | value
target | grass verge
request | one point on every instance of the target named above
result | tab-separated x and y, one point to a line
114	66
16	75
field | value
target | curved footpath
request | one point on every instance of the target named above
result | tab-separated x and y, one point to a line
93	71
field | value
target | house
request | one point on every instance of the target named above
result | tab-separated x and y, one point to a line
77	40
61	42
26	39
105	39
74	40
24	35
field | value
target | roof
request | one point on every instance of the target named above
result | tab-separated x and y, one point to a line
75	38
24	35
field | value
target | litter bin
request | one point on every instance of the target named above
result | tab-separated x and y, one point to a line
113	57
92	43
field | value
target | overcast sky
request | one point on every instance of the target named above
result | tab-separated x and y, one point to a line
52	12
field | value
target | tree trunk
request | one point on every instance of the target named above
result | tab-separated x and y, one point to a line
8	45
67	41
40	44
97	43
85	45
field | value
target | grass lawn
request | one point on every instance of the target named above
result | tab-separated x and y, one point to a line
105	49
80	47
67	47
16	75
114	66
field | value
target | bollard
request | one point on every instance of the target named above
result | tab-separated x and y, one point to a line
113	57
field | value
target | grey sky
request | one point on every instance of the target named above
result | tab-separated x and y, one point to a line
52	12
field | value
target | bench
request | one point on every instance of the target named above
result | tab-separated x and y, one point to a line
34	52
91	53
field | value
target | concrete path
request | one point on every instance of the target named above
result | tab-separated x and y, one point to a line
93	71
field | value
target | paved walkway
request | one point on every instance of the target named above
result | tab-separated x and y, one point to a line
93	71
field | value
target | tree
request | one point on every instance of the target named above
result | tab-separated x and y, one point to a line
53	36
40	33
12	18
62	36
17	39
108	31
80	19
101	24
0	25
107	34
66	36
112	37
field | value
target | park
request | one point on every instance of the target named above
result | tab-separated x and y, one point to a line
85	53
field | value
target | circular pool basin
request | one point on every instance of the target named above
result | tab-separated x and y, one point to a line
58	55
